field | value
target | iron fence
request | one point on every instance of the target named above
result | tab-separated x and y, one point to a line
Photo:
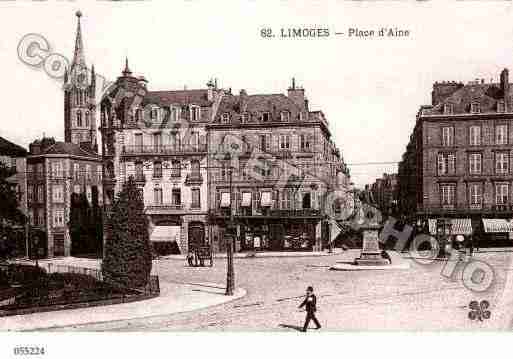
60	268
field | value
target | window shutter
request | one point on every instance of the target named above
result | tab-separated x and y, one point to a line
441	164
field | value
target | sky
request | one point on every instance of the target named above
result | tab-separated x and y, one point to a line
369	88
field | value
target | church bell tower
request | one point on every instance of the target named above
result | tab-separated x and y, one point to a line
79	97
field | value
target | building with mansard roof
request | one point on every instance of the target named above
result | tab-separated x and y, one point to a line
458	162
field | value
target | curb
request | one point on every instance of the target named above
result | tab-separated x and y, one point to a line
258	255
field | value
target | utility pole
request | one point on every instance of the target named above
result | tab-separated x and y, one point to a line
230	276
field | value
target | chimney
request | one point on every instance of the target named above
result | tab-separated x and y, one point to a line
35	148
297	95
505	83
242	100
442	90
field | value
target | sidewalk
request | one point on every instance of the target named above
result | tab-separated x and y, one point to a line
175	297
266	254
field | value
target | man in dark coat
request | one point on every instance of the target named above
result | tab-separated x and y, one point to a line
310	304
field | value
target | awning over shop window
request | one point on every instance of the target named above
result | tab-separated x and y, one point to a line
246	199
497	225
461	226
225	200
165	234
266	199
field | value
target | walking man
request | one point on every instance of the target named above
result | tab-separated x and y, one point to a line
310	304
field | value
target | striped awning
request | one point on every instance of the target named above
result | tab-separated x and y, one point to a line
461	226
497	225
165	234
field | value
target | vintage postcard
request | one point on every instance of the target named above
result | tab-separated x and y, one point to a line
255	166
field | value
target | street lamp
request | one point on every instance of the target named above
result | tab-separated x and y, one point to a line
36	247
230	275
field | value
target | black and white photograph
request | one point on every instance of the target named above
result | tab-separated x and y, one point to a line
188	172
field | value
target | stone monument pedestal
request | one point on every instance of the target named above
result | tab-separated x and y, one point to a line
371	254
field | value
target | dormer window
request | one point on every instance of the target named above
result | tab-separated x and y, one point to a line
448	109
266	116
245	117
195	113
285	116
501	106
225	117
475	107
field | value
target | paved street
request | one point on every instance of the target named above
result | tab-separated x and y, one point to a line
417	299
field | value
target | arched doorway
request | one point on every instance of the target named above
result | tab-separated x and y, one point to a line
196	235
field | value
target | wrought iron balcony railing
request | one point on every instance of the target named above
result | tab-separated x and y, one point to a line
163	149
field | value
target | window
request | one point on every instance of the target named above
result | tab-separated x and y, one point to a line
285	116
501	193
242	171
194	141
176	197
157	196
174	114
475	163
501	134
139	174
195	198
475	135
448	193
446	164
195	113
58	218
57	169
40	193
79	118
266	117
30	193
475	107
39	170
448	109
154	114
284	142
76	171
58	193
138	114
41	217
157	142
447	136
475	194
265	142
225	117
138	139
195	169
157	169
304	142
89	194
87	115
223	172
501	162
88	172
31	216
99	173
245	117
176	169
300	116
501	106
286	199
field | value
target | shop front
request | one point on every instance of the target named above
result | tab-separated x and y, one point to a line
277	236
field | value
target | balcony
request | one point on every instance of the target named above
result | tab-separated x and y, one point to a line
194	179
164	208
163	150
271	213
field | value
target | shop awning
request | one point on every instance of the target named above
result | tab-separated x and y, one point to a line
225	200
461	226
497	225
432	226
265	200
165	234
246	199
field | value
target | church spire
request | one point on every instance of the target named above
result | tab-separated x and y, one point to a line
78	57
126	71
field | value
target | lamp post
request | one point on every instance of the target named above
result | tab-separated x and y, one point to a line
230	276
36	247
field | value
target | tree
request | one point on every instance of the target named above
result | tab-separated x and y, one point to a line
10	214
127	258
